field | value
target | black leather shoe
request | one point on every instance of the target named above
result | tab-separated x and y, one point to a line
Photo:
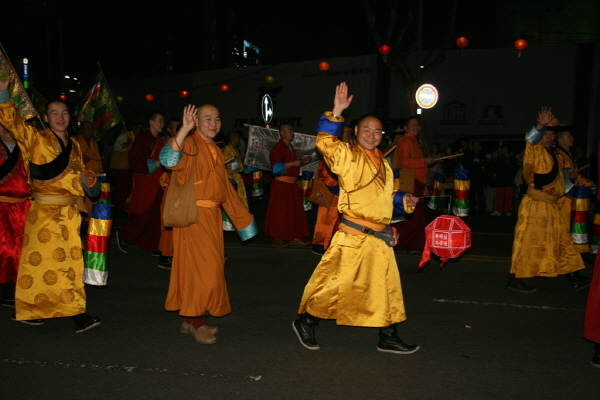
305	330
389	342
84	322
596	358
518	285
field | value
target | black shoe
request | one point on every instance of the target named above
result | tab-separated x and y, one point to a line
33	322
305	330
517	285
120	242
8	294
156	253
84	322
389	342
578	281
596	358
318	249
165	262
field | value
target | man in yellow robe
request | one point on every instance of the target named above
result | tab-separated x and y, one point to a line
542	247
50	276
357	282
197	287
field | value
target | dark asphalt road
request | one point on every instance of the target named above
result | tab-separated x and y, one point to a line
478	340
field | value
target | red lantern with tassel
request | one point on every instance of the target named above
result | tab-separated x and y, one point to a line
184	93
324	66
224	88
446	236
149	97
521	45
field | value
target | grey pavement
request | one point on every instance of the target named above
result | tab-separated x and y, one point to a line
478	340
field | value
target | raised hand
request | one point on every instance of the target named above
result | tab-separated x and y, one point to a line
341	101
545	116
190	116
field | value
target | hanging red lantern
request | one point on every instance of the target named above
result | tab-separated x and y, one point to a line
269	79
324	66
184	93
462	42
63	97
149	97
224	88
446	236
385	49
521	45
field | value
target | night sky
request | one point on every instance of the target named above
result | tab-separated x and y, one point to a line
131	39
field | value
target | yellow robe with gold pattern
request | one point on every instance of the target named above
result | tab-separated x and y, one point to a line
564	203
228	153
49	282
542	247
357	281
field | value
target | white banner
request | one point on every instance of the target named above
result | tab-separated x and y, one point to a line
262	140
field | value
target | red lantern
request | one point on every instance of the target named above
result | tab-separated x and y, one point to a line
224	88
462	42
184	93
385	49
63	97
521	45
324	66
448	237
149	97
269	79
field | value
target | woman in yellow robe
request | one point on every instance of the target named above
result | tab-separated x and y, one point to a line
357	282
541	246
49	282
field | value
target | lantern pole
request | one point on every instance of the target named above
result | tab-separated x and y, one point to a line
419	41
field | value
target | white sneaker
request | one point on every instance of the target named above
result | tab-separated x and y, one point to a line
495	214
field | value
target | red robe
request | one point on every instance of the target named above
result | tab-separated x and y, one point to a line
591	325
143	226
13	185
286	218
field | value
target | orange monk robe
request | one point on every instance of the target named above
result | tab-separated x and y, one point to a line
197	283
93	162
328	219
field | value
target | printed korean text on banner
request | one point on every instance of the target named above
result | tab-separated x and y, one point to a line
261	141
98	244
15	89
460	200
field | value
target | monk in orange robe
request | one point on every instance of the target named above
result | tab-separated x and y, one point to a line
197	287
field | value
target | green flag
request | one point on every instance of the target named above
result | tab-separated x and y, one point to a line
99	107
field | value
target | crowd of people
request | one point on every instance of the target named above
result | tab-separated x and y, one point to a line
179	187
